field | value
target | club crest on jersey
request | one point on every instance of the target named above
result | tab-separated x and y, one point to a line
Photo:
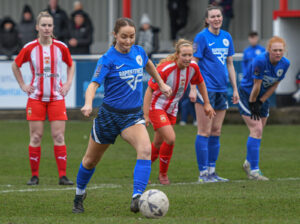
139	60
279	72
257	51
47	59
226	42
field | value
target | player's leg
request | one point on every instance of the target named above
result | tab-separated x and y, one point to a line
166	151
86	170
155	146
137	136
204	125
253	147
214	145
36	129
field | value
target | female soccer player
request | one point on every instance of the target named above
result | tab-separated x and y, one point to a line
177	70
260	82
120	69
46	94
213	51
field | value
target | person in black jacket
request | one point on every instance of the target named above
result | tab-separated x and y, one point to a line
61	20
26	26
77	5
10	42
80	34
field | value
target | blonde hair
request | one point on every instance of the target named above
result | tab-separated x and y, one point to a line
173	57
44	14
273	40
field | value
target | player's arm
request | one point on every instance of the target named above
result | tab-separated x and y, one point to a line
147	102
193	90
18	75
255	90
232	78
209	111
70	74
164	88
269	92
86	110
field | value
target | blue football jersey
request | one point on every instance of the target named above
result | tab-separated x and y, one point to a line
249	54
212	51
122	76
261	68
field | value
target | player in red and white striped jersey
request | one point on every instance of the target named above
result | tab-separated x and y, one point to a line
46	93
177	71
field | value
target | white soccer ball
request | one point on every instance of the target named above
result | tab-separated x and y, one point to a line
154	204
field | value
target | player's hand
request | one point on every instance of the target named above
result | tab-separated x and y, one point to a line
86	110
147	120
27	89
209	111
165	89
255	109
65	89
193	95
235	97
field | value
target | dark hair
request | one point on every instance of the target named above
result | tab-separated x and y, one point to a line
120	23
209	8
253	34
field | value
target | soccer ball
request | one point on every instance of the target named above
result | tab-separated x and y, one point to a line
154	204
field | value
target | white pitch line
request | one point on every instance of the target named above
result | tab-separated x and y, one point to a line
111	186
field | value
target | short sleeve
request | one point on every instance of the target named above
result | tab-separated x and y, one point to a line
257	69
199	46
231	46
66	56
101	71
152	84
197	78
144	56
23	56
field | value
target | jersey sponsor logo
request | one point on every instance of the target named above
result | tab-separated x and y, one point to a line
226	42
133	76
221	54
46	74
139	60
269	81
279	72
120	66
210	44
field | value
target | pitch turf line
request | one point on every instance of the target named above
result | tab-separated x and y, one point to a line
111	186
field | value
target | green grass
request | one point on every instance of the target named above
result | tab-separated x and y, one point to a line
239	201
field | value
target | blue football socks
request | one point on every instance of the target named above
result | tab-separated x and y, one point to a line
213	150
253	145
201	145
83	177
141	176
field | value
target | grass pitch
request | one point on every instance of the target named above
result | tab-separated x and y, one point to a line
109	192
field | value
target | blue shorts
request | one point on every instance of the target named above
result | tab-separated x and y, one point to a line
218	100
244	105
111	122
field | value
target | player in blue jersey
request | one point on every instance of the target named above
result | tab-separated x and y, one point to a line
120	70
260	82
252	51
213	49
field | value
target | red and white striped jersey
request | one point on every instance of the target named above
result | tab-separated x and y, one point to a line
178	80
46	68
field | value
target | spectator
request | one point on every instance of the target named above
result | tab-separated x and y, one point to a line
61	20
178	12
148	36
10	42
26	27
187	108
78	6
227	8
252	51
81	34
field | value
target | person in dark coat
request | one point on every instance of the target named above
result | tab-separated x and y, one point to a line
80	34
61	20
26	26
77	5
10	42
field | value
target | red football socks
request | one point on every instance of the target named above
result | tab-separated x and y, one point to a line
34	159
165	155
60	153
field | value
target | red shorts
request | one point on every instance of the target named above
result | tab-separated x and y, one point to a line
160	118
36	110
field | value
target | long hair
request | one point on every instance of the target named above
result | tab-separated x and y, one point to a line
208	9
44	14
173	57
120	23
275	39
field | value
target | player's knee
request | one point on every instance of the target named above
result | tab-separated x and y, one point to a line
88	162
257	132
58	138
144	152
170	140
35	138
